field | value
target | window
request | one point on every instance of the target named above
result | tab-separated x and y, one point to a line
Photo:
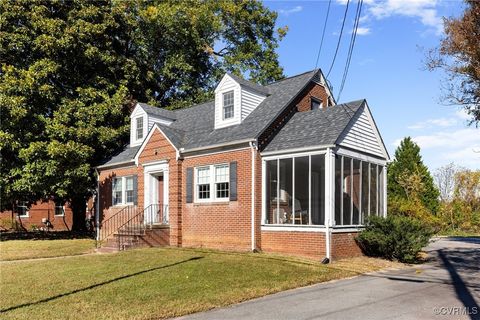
203	183
228	105
221	181
359	190
117	191
295	190
213	183
22	209
315	103
139	128
129	196
59	209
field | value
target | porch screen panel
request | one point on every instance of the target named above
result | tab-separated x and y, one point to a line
271	192
301	201
373	189
338	189
318	189
285	196
347	191
365	191
356	197
381	191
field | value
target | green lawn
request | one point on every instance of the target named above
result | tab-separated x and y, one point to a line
31	249
155	283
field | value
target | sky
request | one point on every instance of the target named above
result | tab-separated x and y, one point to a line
387	69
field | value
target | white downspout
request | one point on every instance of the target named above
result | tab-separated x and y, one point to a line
252	145
97	208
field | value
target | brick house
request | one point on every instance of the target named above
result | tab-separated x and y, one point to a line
40	215
277	168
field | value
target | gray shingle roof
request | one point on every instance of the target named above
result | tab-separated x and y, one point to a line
127	154
251	85
158	111
194	127
315	127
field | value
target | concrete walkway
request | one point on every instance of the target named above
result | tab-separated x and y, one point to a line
447	287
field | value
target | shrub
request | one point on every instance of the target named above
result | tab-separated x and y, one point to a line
395	237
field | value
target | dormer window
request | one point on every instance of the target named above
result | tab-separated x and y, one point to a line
139	128
228	105
315	103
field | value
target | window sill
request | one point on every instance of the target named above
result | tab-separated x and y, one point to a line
22	217
212	203
121	205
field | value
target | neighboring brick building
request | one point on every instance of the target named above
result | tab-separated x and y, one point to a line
277	168
42	215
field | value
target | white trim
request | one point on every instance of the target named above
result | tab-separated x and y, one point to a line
298	228
307	150
329	198
124	202
252	195
212	182
385	196
264	191
117	164
147	139
216	152
218	145
359	156
376	131
149	193
55	210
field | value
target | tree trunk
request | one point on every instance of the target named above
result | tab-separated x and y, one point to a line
78	209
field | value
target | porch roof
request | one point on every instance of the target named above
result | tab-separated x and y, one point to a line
315	127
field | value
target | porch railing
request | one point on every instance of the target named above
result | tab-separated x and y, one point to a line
110	226
129	233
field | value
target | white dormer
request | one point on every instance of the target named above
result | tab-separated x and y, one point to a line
235	99
142	119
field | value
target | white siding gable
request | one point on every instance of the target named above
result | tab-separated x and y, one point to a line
362	135
148	122
245	101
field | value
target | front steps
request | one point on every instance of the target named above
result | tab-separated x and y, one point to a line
157	235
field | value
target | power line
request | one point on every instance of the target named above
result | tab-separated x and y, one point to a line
323	33
339	38
352	45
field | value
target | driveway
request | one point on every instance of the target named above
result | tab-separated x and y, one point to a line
446	287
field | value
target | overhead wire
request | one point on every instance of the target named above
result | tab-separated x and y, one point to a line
339	38
351	47
323	33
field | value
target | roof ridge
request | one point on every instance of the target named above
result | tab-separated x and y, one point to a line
291	77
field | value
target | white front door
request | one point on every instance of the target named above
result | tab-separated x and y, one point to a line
151	191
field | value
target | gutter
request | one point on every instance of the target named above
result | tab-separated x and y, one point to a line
104	166
97	209
296	150
252	196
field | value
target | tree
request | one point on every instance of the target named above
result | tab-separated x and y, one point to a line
459	55
409	177
70	72
445	180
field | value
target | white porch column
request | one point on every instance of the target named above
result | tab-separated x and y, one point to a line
329	198
385	197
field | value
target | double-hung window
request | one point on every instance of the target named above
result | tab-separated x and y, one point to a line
221	181
117	195
22	209
139	128
59	209
203	183
123	190
228	110
213	183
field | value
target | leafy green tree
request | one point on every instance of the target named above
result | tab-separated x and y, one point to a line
409	178
70	72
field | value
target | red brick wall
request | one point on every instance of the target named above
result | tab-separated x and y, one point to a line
225	225
36	213
316	91
300	243
344	245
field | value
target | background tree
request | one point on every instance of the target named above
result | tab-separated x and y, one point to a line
459	55
444	178
409	178
70	72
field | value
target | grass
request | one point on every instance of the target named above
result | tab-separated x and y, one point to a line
155	282
32	249
459	233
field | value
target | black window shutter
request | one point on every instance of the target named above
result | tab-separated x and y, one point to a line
135	189
189	185
233	181
112	186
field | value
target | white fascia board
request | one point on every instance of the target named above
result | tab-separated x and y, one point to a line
147	139
117	164
296	150
360	156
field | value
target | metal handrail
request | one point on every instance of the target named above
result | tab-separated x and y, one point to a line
136	225
111	225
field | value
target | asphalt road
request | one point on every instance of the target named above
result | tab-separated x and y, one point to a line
446	287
